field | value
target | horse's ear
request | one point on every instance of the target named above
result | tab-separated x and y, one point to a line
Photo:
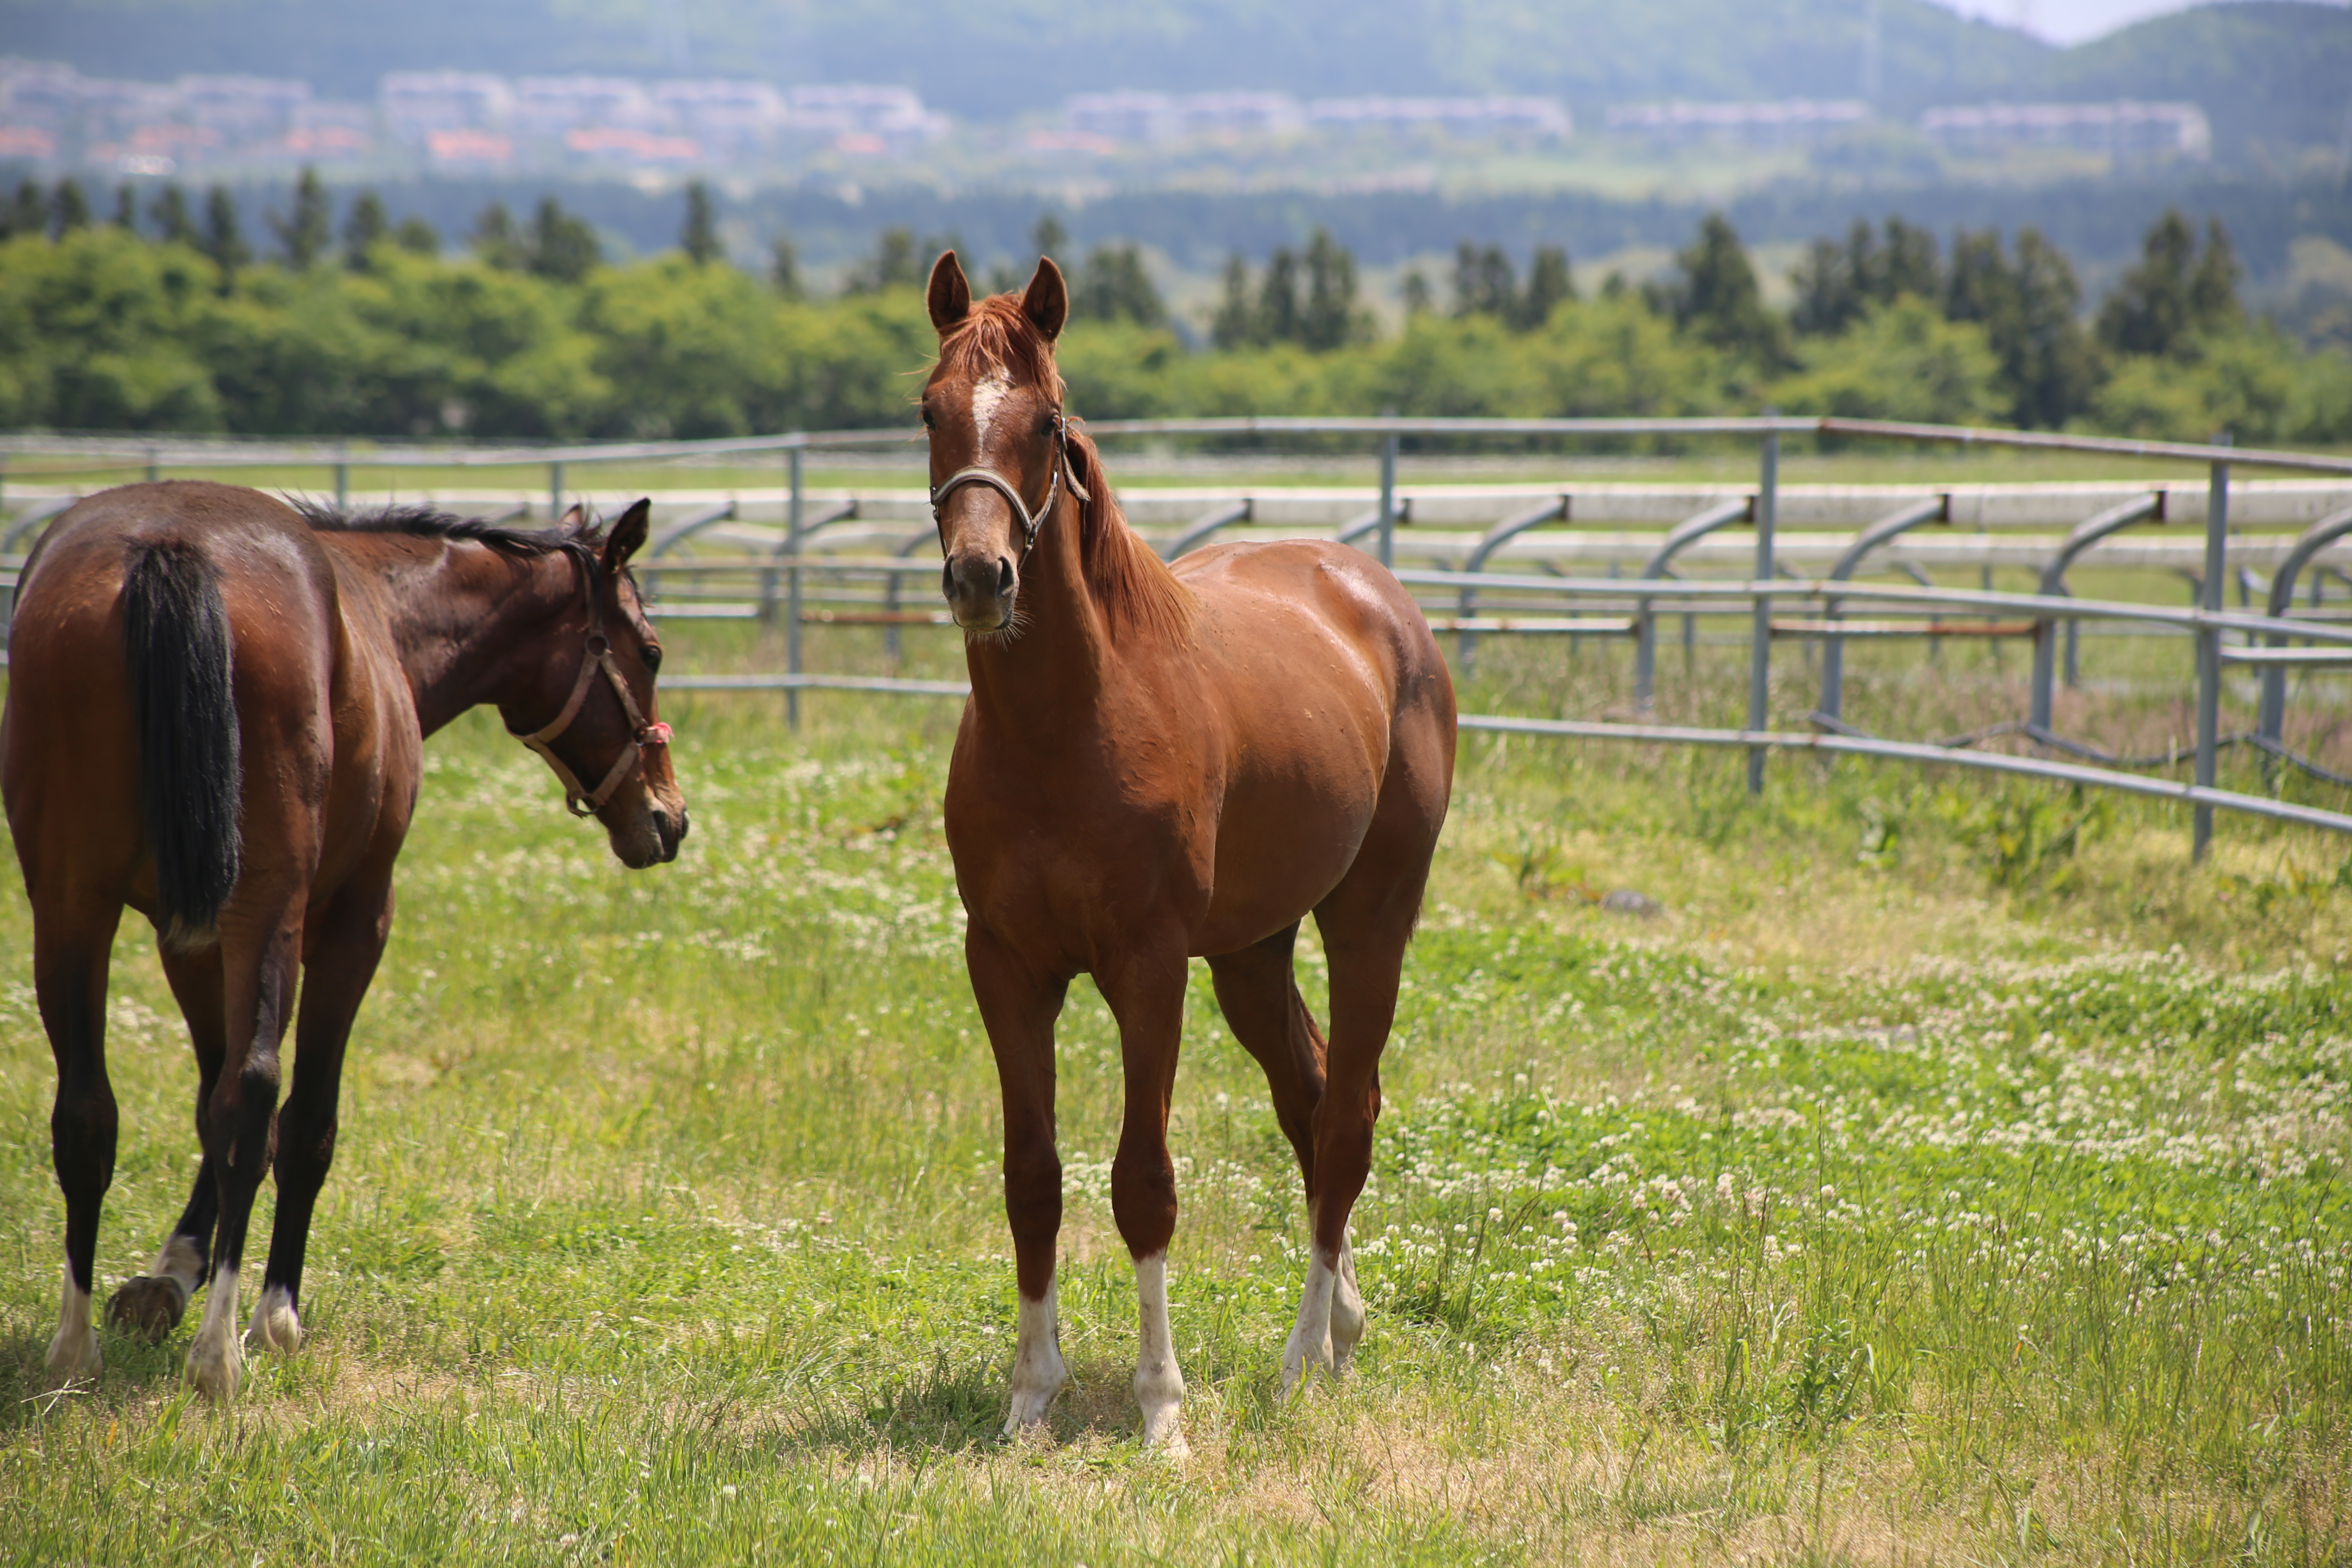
574	518
950	296
1046	300
628	535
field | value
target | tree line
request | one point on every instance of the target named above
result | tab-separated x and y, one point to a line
166	315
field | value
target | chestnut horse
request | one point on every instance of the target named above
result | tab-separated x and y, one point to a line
216	711
1160	765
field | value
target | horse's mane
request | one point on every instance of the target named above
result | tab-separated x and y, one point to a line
582	541
1136	591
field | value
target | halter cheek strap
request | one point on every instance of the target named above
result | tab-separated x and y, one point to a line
1031	522
644	735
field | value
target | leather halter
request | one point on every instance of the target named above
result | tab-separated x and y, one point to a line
1031	522
642	735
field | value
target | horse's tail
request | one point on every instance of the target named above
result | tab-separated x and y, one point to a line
189	781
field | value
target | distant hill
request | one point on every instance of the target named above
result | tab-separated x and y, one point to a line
2273	76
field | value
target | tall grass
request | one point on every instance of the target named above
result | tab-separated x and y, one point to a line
1949	1172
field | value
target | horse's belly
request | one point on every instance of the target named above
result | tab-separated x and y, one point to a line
1285	839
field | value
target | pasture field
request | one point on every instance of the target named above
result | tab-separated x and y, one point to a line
1949	1172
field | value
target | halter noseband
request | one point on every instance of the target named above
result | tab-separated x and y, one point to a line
642	735
1031	522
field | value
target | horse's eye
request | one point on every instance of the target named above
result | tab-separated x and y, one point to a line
928	423
653	658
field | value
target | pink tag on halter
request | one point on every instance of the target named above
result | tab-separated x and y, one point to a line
656	734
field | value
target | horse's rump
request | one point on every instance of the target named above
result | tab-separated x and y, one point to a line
184	707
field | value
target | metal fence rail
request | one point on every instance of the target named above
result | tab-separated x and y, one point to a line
839	560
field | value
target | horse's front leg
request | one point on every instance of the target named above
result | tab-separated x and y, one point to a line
1018	1004
260	952
1146	993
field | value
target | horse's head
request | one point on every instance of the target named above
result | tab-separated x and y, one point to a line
994	411
606	741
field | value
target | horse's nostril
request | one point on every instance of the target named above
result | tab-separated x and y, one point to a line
1003	577
947	580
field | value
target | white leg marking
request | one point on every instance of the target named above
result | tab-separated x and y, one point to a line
1037	1371
987	396
1347	1310
1310	1340
1159	1384
181	1264
74	1353
275	1327
218	1356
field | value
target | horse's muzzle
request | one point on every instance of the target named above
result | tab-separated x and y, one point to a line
670	833
979	587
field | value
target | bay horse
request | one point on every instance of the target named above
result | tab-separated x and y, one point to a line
217	704
1157	765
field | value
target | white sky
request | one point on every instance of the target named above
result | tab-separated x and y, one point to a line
2066	21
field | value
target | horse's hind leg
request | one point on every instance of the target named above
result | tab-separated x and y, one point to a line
259	948
344	947
1258	990
1365	923
71	949
153	1303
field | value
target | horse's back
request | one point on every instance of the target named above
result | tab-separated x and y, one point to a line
71	738
1338	717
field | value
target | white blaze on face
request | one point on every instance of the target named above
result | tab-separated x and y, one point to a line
987	396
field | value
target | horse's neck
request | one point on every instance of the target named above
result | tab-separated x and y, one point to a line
459	627
1035	687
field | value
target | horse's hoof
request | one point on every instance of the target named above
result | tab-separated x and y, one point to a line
74	1356
274	1325
214	1366
1163	1435
148	1306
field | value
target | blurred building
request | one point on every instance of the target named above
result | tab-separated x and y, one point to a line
2126	130
1781	123
1140	118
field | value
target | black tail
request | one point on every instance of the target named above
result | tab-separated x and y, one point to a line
187	711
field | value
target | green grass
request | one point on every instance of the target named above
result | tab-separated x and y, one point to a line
1951	1172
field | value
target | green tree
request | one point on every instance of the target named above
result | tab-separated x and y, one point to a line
497	241
893	265
169	212
417	238
1415	293
224	238
1330	317
2031	315
1048	238
1277	299
72	206
29	215
1484	282
365	228
1715	297
1235	325
784	266
306	234
699	237
2173	293
563	245
1551	284
1901	361
1115	286
126	207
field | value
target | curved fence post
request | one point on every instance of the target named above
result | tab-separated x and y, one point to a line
1686	532
1198	532
2053	586
906	546
1935	509
2269	724
1503	533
